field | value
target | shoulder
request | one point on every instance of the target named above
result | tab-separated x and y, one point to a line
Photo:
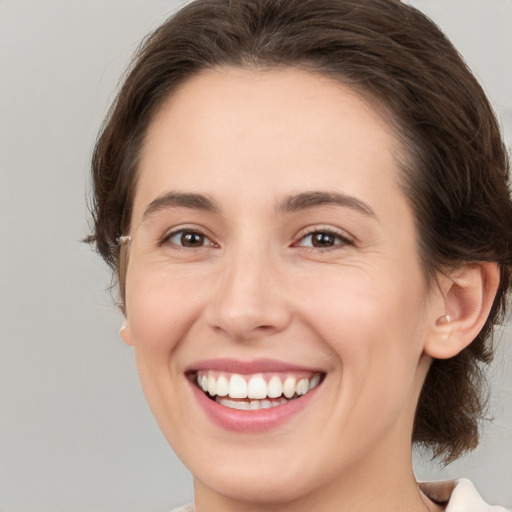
458	496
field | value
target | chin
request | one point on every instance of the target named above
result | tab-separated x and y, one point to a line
261	484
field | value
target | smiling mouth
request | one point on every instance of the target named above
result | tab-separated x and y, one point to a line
254	391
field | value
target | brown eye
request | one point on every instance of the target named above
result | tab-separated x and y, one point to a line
192	239
323	240
188	239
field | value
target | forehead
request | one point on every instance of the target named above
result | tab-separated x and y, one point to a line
274	128
264	101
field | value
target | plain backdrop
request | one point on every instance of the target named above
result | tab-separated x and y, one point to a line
75	432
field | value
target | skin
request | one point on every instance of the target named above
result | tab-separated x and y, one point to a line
359	310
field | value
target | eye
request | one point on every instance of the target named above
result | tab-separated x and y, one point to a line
188	238
323	239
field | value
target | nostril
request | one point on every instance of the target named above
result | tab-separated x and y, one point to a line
265	328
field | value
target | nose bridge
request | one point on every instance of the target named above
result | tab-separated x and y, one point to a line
249	300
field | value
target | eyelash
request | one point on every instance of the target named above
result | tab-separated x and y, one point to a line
345	241
186	231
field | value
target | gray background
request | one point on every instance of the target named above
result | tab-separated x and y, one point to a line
75	433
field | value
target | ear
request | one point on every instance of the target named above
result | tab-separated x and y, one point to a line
125	333
468	294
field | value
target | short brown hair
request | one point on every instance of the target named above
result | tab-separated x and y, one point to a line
455	166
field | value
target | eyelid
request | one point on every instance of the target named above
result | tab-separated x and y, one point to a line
190	229
310	230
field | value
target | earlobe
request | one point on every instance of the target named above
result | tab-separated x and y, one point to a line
125	333
468	293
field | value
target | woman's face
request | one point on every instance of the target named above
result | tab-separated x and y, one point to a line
273	251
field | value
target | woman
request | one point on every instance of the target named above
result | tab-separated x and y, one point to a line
306	206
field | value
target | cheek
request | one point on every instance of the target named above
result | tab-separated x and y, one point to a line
353	303
159	310
372	323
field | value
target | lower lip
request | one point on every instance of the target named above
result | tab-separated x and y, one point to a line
251	421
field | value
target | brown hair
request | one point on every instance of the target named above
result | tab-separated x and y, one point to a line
455	167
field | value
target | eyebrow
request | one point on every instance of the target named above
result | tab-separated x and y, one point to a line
293	203
308	200
180	200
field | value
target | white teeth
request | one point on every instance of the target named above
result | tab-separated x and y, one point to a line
241	405
212	385
204	383
252	405
314	382
237	386
222	386
275	387
289	387
302	387
257	387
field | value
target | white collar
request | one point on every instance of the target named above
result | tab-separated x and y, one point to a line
458	496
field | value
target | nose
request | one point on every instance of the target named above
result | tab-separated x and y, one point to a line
248	301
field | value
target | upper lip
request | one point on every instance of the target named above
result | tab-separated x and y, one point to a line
249	367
